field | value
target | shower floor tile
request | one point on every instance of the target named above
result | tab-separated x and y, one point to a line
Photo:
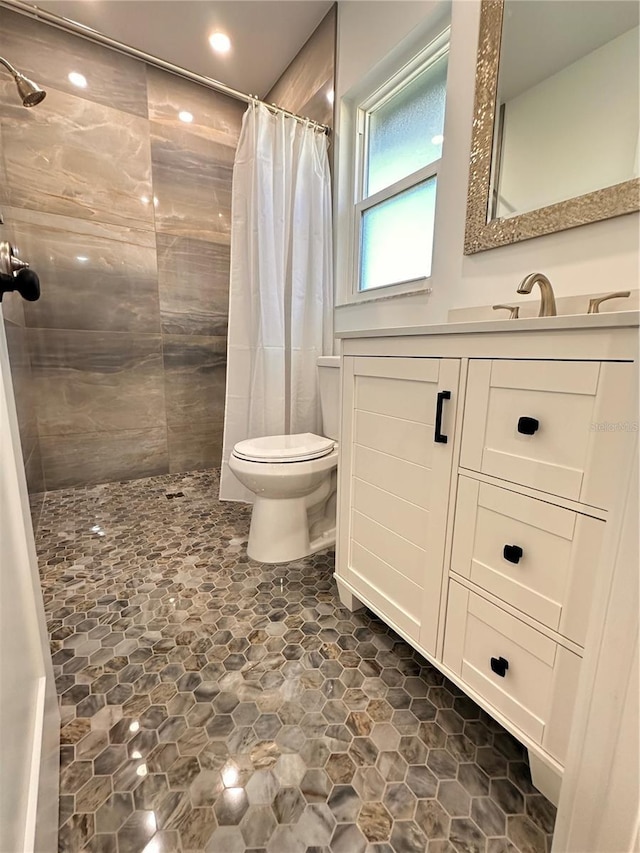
212	703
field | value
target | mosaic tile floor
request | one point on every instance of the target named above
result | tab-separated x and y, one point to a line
211	703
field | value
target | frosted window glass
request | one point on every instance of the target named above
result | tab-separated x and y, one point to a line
397	237
405	133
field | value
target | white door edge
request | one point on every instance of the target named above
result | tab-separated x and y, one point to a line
34	774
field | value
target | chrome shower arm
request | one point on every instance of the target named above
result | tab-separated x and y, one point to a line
9	66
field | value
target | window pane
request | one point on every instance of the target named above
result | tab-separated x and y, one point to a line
405	133
397	237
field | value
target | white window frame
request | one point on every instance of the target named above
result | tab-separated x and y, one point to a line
428	56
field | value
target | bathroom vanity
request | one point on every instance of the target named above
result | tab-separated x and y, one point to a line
481	464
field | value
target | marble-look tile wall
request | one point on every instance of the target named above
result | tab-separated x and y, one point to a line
22	380
124	211
304	86
20	362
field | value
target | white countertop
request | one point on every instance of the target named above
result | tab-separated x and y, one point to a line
610	320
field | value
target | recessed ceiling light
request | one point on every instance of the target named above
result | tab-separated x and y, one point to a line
78	79
185	116
438	139
330	96
220	42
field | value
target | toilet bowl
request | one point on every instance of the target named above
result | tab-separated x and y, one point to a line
293	479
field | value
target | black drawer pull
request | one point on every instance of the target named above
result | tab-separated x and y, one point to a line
527	426
438	435
499	666
512	553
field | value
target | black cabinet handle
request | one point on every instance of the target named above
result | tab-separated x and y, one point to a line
438	435
512	553
499	666
527	426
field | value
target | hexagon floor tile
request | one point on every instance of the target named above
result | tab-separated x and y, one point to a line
212	703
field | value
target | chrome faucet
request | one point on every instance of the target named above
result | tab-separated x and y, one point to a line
547	299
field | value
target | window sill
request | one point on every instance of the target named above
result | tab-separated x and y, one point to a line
388	291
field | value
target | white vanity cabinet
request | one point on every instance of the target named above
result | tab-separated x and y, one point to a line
483	549
397	417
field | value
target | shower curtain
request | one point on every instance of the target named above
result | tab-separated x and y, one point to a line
281	289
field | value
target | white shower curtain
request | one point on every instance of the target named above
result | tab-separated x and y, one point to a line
281	291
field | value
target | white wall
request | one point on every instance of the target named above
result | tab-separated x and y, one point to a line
590	259
575	132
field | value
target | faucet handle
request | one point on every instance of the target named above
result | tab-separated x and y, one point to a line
514	310
594	304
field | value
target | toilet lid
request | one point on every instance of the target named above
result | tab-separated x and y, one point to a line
284	448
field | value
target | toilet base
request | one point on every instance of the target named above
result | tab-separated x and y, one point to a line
279	531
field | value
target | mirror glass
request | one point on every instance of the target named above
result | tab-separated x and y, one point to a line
566	119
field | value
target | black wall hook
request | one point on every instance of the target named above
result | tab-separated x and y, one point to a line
25	282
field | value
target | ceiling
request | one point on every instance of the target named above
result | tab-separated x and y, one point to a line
265	34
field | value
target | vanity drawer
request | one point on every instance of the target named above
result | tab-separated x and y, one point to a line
526	677
538	557
555	426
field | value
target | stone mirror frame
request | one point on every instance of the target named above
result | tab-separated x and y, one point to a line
481	234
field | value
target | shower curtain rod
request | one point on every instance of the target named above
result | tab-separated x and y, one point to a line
32	11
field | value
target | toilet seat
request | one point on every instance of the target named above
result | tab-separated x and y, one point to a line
284	448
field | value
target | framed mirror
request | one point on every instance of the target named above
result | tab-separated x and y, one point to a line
556	118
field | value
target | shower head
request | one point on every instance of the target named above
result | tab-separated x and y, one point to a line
30	93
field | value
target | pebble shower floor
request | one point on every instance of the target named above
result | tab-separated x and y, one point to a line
212	703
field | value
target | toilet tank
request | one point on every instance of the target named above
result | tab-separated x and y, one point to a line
329	378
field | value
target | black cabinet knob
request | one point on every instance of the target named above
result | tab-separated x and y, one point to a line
527	426
512	553
499	666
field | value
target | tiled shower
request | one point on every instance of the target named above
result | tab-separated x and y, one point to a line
125	212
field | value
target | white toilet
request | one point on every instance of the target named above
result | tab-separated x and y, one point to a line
293	478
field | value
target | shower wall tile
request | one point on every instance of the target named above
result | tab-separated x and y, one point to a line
195	375
304	85
193	284
193	447
96	381
34	471
93	275
120	372
48	55
12	303
101	457
20	364
4	199
192	184
215	116
77	158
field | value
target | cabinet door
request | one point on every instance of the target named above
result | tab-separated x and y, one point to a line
396	471
561	427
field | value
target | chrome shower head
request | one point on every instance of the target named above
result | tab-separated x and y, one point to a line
30	93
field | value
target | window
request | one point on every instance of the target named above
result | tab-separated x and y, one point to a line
400	132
